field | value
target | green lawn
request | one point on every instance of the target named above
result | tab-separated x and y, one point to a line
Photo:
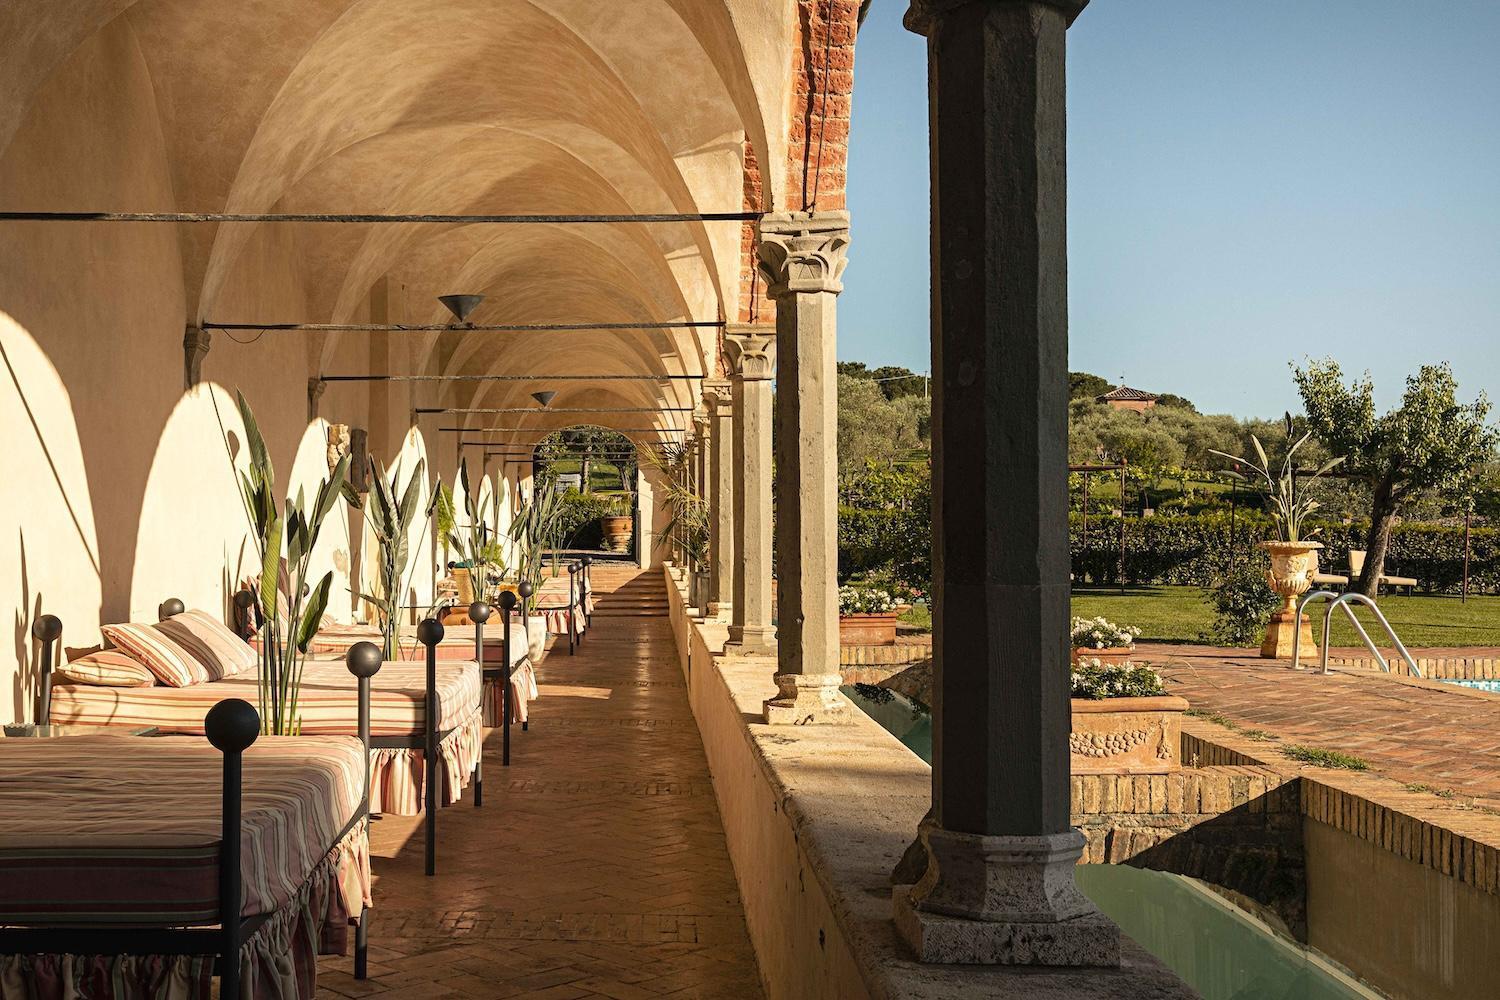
1179	614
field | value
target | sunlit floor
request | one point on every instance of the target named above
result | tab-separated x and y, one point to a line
597	865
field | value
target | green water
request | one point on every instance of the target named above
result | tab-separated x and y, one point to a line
1218	950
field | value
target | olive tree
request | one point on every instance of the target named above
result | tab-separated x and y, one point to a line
1430	442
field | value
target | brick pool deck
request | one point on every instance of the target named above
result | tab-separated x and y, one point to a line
1413	731
597	866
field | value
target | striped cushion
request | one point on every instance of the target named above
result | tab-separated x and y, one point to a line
106	668
220	651
170	663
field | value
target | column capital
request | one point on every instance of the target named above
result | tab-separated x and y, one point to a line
752	351
803	252
701	422
923	14
716	395
195	345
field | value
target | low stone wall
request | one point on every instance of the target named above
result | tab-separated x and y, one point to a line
907	649
1446	667
816	818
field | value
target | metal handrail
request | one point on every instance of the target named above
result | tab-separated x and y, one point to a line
1307	599
1343	601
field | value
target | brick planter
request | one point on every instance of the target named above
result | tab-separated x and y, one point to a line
867	630
1126	735
1114	654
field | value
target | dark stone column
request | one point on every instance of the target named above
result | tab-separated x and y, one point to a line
999	886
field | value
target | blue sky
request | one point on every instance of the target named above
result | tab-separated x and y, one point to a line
1250	183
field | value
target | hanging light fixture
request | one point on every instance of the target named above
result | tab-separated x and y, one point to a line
544	397
461	305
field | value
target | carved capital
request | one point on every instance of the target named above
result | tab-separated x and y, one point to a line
195	344
803	252
716	396
923	14
752	351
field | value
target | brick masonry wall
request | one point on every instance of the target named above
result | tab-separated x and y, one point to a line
1432	667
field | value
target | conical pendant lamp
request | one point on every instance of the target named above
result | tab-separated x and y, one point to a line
544	397
461	305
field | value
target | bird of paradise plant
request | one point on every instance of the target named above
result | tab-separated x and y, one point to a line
534	530
293	528
1290	506
391	512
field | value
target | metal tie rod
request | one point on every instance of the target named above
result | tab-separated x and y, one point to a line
554	430
575	409
465	327
505	378
376	217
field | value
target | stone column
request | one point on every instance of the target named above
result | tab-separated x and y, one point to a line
717	394
802	256
702	485
998	886
752	353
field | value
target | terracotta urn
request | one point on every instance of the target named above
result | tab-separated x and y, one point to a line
616	532
868	630
1292	567
1111	654
1126	735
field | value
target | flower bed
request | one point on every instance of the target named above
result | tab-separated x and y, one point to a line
1102	639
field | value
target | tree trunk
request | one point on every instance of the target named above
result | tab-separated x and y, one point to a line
1378	541
583	487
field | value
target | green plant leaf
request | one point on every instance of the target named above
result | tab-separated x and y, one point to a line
317	603
271	569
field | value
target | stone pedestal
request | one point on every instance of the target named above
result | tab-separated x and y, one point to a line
752	354
808	699
1280	633
802	256
1007	900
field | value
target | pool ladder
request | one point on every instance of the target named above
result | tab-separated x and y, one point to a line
1343	601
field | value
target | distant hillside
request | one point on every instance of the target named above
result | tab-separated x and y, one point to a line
1086	385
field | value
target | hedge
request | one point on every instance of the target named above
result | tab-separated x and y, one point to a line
578	517
1198	550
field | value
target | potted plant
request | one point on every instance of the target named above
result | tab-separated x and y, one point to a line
1294	555
1124	722
618	523
391	512
474	542
867	617
1102	640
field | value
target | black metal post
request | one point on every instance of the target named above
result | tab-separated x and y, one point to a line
507	605
525	603
363	660
48	629
1124	467
479	613
245	601
231	726
429	634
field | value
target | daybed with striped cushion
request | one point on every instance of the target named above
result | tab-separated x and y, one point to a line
110	847
326	707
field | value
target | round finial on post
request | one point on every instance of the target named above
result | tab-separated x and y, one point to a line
588	560
508	600
243	600
480	612
525	589
170	608
47	628
232	725
429	632
363	659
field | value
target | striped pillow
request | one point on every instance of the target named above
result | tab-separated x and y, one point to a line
220	651
106	668
170	663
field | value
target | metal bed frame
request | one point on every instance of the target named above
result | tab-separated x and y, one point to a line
231	726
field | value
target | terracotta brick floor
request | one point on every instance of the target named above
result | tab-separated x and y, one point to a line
597	866
1412	731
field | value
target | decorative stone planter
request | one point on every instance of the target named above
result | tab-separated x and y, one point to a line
1292	567
616	532
867	630
465	585
1126	735
1113	654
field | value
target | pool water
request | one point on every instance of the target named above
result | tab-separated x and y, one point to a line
1492	686
1217	949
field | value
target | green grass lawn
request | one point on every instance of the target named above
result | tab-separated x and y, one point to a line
1179	614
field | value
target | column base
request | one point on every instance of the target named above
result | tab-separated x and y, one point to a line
751	640
1003	900
809	700
1280	633
719	609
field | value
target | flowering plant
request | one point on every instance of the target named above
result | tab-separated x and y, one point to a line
862	601
1094	680
1100	633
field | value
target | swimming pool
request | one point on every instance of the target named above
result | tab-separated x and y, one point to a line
1492	686
1217	949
